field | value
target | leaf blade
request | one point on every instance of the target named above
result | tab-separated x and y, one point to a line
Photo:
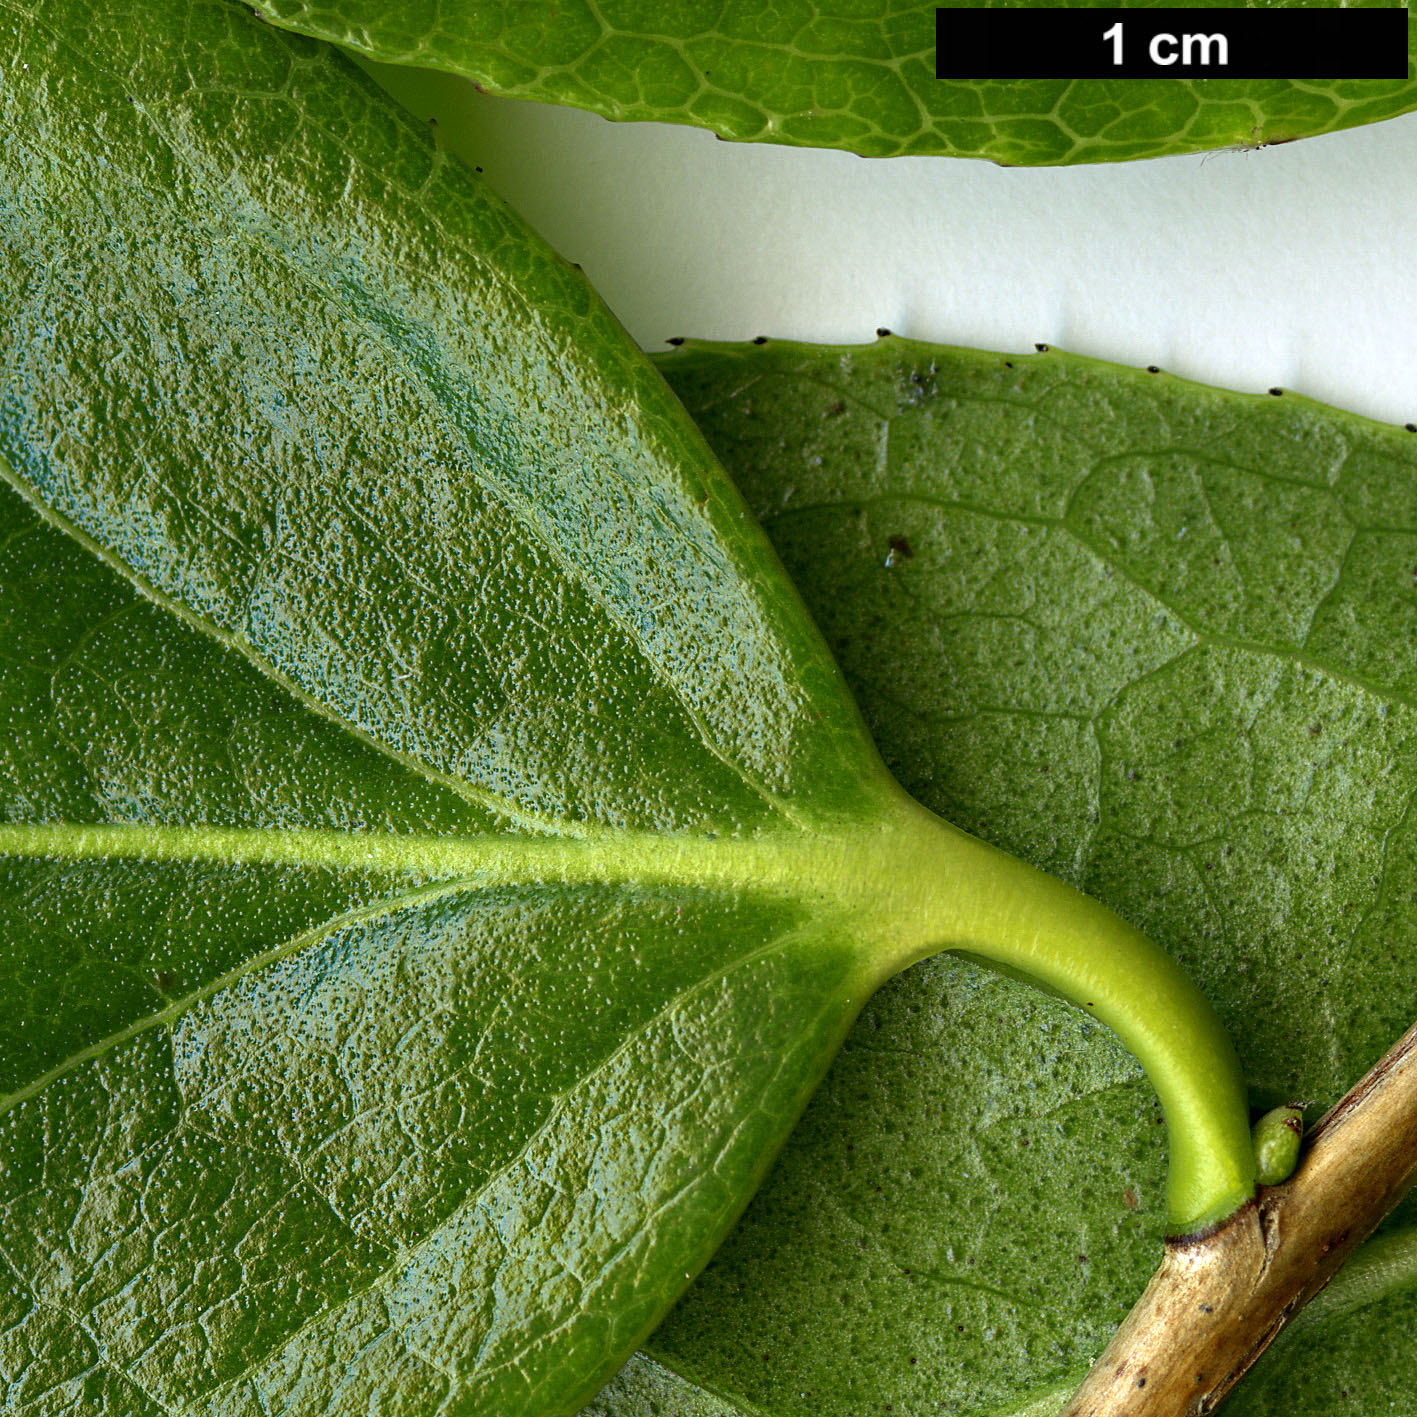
422	661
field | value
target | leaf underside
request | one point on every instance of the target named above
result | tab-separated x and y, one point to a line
821	75
403	984
1155	638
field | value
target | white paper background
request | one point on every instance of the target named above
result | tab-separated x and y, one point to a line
1289	266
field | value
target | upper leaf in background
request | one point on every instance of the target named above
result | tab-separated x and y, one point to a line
814	73
1157	638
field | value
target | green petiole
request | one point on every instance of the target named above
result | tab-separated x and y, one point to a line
1018	920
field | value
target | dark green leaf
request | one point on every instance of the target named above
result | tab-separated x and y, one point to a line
814	73
1156	638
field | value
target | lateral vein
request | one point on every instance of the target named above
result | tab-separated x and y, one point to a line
468	791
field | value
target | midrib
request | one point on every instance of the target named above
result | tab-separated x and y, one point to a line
835	864
894	884
906	874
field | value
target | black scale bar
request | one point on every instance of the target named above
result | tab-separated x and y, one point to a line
1172	43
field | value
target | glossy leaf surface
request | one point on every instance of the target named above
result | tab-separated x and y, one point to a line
819	74
1156	637
437	854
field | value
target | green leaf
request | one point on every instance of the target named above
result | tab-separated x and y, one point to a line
438	855
818	74
417	938
1156	638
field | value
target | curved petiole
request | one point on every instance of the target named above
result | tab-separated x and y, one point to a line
1016	919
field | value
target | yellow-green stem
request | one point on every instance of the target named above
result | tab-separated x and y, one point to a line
1020	920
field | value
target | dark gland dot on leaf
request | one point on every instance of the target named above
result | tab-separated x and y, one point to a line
899	551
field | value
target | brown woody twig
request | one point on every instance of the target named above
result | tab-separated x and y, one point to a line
1218	1300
